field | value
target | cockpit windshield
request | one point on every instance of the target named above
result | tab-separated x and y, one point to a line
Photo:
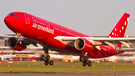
13	15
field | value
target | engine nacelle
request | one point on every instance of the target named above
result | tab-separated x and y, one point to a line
83	45
16	45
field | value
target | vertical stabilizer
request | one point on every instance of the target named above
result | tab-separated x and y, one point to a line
120	28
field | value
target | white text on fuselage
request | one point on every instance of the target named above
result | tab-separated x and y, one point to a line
46	29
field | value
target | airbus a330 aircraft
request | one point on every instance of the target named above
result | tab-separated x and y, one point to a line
30	29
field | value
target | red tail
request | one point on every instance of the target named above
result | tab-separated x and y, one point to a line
120	28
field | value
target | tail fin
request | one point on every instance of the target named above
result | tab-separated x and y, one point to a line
120	28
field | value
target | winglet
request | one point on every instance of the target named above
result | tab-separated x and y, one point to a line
120	28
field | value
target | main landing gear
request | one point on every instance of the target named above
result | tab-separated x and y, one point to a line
48	61
47	58
85	61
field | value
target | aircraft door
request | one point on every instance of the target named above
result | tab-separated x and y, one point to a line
27	19
27	25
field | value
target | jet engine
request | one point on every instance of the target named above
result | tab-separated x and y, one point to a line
15	44
83	45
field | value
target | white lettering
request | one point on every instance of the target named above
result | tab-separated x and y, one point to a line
42	28
34	25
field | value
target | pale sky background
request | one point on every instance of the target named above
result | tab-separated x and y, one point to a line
92	17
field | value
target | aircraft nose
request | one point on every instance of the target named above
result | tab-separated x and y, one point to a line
13	23
10	22
7	20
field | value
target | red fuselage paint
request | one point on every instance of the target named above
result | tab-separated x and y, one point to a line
44	31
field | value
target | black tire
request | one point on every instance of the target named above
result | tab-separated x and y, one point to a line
43	57
89	63
51	62
84	63
81	58
86	58
48	57
46	62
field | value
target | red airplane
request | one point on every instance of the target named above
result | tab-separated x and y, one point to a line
30	29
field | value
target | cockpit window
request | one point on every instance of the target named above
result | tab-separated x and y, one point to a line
16	15
13	15
10	15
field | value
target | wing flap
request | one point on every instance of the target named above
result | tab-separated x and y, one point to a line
125	43
110	44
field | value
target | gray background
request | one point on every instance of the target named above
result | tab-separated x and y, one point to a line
92	17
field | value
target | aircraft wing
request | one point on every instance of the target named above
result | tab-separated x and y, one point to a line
26	40
100	41
94	40
6	36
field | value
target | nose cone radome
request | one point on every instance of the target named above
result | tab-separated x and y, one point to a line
10	23
7	21
14	23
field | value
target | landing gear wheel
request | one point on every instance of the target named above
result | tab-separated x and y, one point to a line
51	62
86	58
81	58
46	62
47	57
84	63
43	57
89	63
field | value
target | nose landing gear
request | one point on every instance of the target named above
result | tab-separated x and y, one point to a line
18	35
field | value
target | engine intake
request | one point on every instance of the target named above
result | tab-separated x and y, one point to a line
83	44
16	45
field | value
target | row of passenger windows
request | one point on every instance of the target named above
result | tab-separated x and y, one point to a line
65	31
13	15
38	22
